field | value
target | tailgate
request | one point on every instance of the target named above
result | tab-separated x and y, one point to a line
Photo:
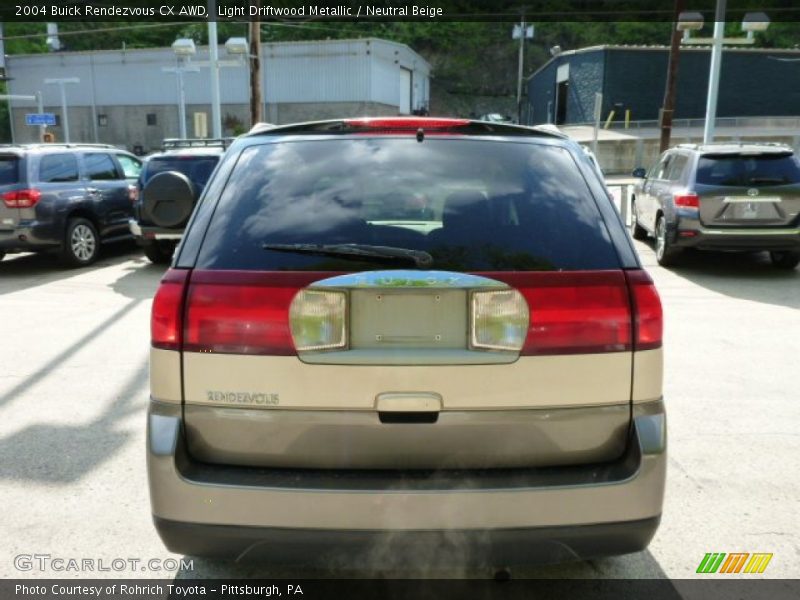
759	189
772	206
407	369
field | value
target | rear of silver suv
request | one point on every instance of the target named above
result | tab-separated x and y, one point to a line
381	337
724	196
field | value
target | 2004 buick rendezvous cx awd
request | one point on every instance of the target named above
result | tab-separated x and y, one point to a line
405	337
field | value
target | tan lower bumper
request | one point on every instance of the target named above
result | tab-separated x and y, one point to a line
182	490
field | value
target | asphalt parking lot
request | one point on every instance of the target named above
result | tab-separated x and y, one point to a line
73	396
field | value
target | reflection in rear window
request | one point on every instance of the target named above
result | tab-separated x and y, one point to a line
474	205
748	171
9	170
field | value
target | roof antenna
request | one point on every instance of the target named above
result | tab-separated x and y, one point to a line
420	135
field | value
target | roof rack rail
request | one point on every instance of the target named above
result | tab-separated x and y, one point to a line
59	145
699	146
172	143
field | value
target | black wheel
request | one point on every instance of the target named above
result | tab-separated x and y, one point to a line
81	243
666	253
637	231
159	252
785	260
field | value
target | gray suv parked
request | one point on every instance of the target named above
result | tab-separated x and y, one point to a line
730	196
67	198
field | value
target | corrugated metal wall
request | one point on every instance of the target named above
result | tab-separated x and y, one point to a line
752	83
325	71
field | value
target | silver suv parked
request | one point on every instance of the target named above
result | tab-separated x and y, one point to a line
406	339
728	196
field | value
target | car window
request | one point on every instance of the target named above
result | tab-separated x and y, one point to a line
663	167
9	170
130	166
58	167
472	204
676	167
100	166
748	170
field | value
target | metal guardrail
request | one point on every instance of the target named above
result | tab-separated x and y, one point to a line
621	197
776	122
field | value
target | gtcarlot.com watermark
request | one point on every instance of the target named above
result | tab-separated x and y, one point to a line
43	563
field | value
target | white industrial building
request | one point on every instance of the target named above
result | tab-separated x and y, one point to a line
127	98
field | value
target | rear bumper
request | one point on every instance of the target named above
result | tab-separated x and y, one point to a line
28	236
515	515
690	234
147	232
365	550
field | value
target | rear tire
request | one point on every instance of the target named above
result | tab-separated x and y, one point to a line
785	260
637	231
81	243
666	253
159	252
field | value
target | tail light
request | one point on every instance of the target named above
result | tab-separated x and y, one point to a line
575	312
133	193
27	198
165	320
690	200
648	315
406	123
317	320
241	312
499	320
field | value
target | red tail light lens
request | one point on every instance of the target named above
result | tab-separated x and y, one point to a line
406	123
165	319
27	198
575	312
241	312
648	315
687	200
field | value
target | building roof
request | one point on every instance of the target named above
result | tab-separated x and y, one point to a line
794	52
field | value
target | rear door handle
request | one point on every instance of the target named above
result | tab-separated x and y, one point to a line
92	191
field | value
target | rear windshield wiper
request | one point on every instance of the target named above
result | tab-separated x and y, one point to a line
366	252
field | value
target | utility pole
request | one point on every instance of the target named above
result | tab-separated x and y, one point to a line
521	32
213	51
61	82
255	69
716	64
668	109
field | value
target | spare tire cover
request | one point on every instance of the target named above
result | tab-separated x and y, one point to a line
168	199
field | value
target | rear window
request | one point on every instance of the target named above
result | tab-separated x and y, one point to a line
474	205
197	169
9	170
748	171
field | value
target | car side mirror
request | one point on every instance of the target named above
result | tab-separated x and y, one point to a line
168	199
639	172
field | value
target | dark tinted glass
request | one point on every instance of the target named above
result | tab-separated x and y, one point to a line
58	167
197	169
472	204
9	170
100	167
749	171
